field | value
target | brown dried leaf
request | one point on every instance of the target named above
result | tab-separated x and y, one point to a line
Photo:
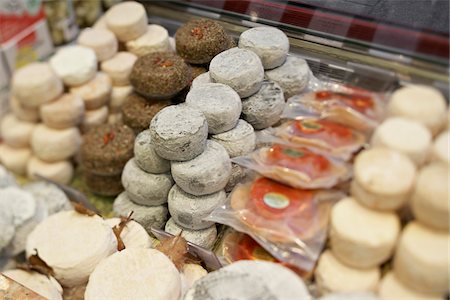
37	264
117	230
176	248
81	209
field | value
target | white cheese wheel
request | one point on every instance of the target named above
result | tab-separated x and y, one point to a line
21	203
135	273
96	92
22	112
179	132
332	276
391	288
36	84
75	65
46	286
155	39
146	157
133	235
421	103
72	244
114	118
15	159
147	216
6	178
219	103
365	240
102	41
190	274
241	69
53	197
240	140
118	96
207	173
201	79
53	145
7	225
94	118
204	237
16	133
172	44
350	296
188	210
248	279
238	174
383	178
404	135
128	20
441	148
421	260
119	68
145	188
67	111
100	23
59	171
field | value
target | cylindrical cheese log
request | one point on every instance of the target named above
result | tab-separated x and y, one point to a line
204	238
188	211
96	92
45	286
135	273
391	288
15	159
269	43
421	103
133	234
155	39
36	84
22	112
383	178
147	216
75	65
62	241
16	133
364	240
67	111
332	276
102	41
207	173
128	20
421	260
241	69
54	145
119	68
53	197
59	171
95	117
179	132
201	79
441	148
220	104
238	174
146	157
238	141
118	96
145	188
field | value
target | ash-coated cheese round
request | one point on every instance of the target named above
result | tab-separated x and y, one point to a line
145	188
147	216
16	133
96	92
383	178
421	261
133	235
67	111
6	178
118	96
204	237
333	276
22	112
15	159
36	84
179	132
7	225
441	148
207	173
292	76
155	39
59	171
189	211
238	174
21	203
53	197
365	240
241	69
220	104
135	273
146	157
421	103
119	67
45	286
248	279
269	43
391	288
53	145
128	20
75	65
72	244
201	79
102	41
238	141
404	135
95	117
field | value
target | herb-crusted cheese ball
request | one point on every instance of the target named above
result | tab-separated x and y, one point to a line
105	185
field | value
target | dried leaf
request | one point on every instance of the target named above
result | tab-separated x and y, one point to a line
176	248
81	209
37	264
117	230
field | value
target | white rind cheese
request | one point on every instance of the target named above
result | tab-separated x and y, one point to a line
155	39
96	92
45	286
391	288
102	41
191	273
7	225
53	197
238	174
240	140
16	133
6	178
67	111
118	96
204	237
441	148
22	112
128	20
201	79
94	117
15	159
60	171
146	157
133	235
119	68
21	203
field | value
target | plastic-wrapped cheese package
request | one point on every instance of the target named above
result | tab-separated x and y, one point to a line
289	223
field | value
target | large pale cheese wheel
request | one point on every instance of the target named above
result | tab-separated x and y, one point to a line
204	237
332	276
22	112
21	203
118	96
240	140
421	260
128	20
16	133
95	117
15	159
135	273
96	92
102	41
383	178
391	288
441	148
6	178
53	145
155	39
146	157
119	68
67	111
52	196
59	171
424	104
364	240
72	244
36	84
406	136
133	235
45	286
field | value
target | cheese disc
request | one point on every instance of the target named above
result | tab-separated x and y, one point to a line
102	41
119	68
59	171
114	118
15	159
128	20
133	235
201	79
441	148
240	140
118	96
22	112
238	174
191	273
135	273
21	203
204	237
45	286
53	197
6	178
95	117
16	133
146	157
67	111
391	288
155	39
7	225
96	92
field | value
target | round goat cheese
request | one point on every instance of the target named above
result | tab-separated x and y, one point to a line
155	39
204	237
128	20
16	133
102	41
146	157
240	140
67	111
60	171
